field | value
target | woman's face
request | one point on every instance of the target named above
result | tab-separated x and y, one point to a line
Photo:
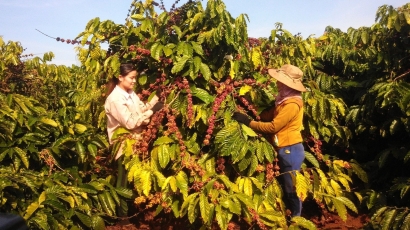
280	86
127	82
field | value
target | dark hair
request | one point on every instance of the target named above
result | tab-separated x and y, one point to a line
125	68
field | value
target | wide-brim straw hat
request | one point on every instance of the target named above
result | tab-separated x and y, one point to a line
289	75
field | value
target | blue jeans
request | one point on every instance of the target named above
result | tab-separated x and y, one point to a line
290	159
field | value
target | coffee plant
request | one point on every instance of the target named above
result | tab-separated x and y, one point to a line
193	157
193	162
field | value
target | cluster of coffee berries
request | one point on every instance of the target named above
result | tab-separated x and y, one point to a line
272	170
270	174
220	165
70	41
260	168
346	165
146	202
161	6
102	165
197	186
218	186
223	89
238	57
256	218
26	55
149	134
140	52
254	42
165	61
48	158
315	145
252	82
250	107
173	128
192	165
190	109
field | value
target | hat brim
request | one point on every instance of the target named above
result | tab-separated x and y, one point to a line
280	76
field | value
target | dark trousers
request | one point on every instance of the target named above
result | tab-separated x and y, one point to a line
291	159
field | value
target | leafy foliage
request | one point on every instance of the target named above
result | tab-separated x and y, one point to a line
195	162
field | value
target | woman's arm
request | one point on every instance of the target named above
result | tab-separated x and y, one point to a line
287	113
125	117
147	106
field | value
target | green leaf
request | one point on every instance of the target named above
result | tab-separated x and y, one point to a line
359	172
142	80
268	151
146	182
180	64
156	51
248	131
365	36
163	140
124	192
406	222
110	201
80	150
388	219
41	222
197	48
85	219
97	223
302	186
221	217
192	210
173	183
62	140
177	30
341	209
92	149
49	122
163	155
348	203
206	72
80	128
202	94
22	155
104	205
304	223
244	89
182	183
234	207
175	208
247	187
184	207
30	210
383	157
204	207
167	51
138	17
312	159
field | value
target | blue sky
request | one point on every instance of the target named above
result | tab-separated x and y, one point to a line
19	19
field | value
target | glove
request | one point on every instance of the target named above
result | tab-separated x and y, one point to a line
241	118
158	106
158	92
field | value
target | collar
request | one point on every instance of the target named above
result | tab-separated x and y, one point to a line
123	92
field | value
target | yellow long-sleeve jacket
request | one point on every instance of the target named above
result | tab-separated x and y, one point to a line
284	121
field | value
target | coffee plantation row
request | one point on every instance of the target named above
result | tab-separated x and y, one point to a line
195	163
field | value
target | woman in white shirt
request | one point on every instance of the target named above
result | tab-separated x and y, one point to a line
123	108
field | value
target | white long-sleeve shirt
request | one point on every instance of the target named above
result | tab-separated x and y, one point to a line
125	109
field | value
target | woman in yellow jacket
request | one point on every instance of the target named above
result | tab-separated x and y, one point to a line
282	125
